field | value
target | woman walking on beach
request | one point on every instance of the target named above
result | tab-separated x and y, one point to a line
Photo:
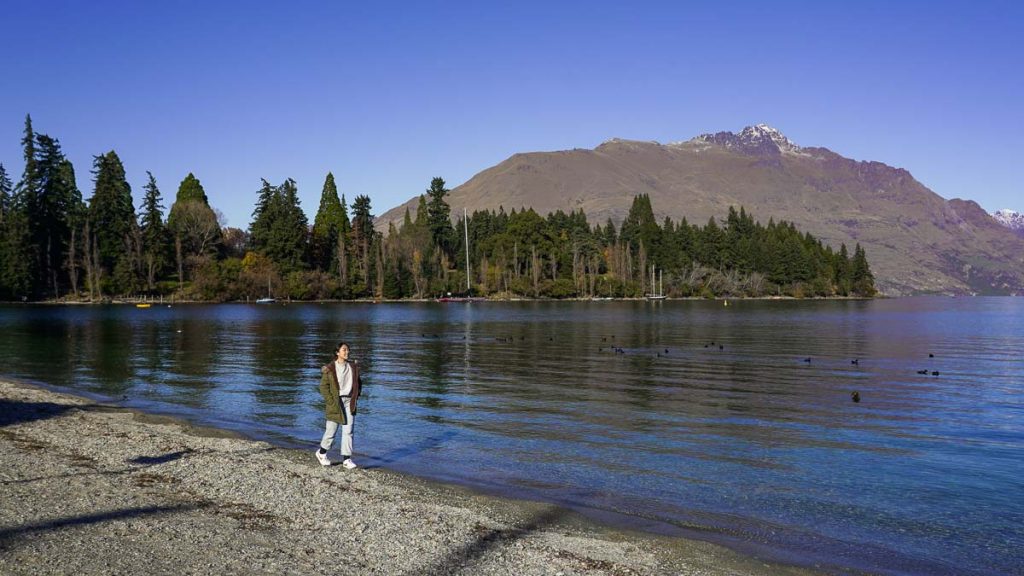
340	386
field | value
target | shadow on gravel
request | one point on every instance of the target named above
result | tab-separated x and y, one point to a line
14	412
9	535
139	462
172	456
153	460
456	559
400	453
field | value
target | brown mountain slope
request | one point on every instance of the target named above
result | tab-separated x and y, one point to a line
916	241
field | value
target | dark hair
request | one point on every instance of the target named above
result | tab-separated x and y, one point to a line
338	347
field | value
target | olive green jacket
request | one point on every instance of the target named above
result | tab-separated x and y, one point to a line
331	389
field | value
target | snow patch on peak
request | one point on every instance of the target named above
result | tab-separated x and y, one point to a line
763	129
1011	219
761	132
759	139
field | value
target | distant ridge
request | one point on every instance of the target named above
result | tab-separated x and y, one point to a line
916	241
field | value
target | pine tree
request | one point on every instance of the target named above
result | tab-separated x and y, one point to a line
155	238
844	277
27	188
640	229
378	265
439	216
16	276
324	236
5	193
5	208
259	228
75	217
416	250
345	226
394	279
863	279
55	219
112	221
798	265
344	252
191	190
422	212
19	251
640	215
684	244
280	228
291	230
362	236
737	249
610	235
711	244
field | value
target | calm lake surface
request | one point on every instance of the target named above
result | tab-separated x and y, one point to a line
742	442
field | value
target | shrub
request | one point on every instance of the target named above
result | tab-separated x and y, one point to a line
560	288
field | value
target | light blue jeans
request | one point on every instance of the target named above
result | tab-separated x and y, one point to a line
346	431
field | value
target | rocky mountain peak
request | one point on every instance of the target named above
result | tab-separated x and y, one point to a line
760	139
1011	219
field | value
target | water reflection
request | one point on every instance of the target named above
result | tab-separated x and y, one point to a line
279	366
710	417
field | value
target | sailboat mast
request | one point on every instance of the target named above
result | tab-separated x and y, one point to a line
465	228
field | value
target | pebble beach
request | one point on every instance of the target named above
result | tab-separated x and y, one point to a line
87	487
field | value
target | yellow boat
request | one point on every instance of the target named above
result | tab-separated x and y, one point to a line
142	305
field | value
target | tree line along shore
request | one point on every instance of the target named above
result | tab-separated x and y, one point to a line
55	246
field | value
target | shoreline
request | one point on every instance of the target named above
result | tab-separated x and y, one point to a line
132	302
109	489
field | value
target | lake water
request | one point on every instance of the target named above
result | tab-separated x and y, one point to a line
752	441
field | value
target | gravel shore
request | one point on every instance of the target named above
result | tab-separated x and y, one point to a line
91	488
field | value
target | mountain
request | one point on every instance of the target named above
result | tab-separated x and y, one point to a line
916	241
1011	219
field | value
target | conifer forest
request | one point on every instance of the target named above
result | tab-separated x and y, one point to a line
57	246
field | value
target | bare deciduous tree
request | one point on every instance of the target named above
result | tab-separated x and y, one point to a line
196	232
197	225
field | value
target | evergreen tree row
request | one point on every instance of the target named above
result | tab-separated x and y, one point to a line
561	255
54	245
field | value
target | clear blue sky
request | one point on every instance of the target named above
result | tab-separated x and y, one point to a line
388	95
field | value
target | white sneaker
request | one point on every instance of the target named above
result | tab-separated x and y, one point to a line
322	458
349	464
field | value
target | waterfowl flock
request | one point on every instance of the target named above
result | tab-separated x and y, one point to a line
664	352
